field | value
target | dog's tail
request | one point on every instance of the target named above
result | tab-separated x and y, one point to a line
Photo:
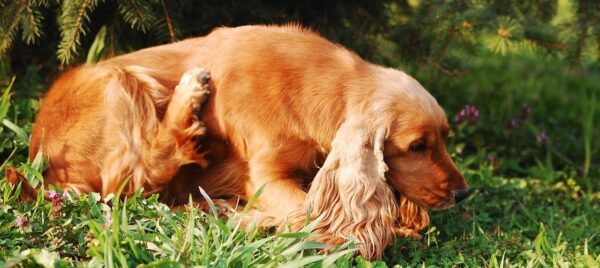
135	103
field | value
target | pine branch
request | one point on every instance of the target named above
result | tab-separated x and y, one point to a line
442	54
75	14
139	15
550	46
31	25
579	46
11	15
542	34
168	22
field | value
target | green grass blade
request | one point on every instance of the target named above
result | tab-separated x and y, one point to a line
335	256
5	100
17	130
302	262
211	204
254	197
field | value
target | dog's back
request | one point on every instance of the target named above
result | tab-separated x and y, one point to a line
280	68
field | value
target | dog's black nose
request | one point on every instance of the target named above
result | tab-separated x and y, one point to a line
461	194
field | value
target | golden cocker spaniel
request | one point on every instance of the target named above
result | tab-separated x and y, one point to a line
358	145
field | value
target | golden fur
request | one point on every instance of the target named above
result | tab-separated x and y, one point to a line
361	146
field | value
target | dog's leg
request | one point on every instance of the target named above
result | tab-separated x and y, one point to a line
176	143
152	152
283	195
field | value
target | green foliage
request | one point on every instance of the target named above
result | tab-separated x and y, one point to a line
74	15
139	16
442	34
147	22
24	16
521	96
98	47
13	138
428	32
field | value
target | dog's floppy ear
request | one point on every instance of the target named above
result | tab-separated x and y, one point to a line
411	219
350	192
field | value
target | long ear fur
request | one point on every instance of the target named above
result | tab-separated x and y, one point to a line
411	219
350	192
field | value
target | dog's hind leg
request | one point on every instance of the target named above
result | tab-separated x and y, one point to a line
150	151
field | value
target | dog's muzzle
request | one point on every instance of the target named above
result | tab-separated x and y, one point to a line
461	194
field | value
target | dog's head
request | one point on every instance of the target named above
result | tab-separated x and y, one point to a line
392	140
414	150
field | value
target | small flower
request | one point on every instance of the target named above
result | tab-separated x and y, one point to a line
108	218
512	123
542	138
52	195
56	199
469	113
525	111
65	194
21	221
459	117
493	159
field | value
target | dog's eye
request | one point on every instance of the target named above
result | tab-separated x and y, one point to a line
418	147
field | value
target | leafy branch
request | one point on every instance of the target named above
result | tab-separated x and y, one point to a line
74	16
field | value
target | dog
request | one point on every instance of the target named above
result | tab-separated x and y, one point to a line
329	136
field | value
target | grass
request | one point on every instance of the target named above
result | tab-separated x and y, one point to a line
508	221
512	221
141	231
535	204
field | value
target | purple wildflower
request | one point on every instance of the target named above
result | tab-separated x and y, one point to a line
459	117
512	123
542	138
56	199
21	221
53	195
65	194
468	113
525	111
